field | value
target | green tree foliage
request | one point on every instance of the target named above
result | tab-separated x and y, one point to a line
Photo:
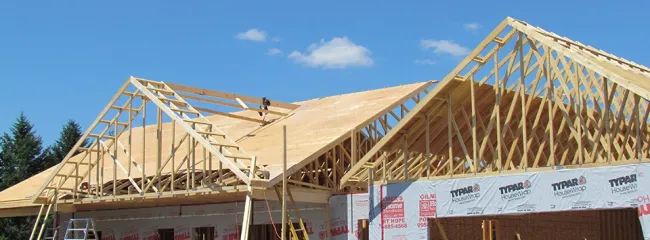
22	156
22	153
69	136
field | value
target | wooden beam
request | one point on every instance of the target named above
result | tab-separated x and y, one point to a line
225	95
213	101
229	115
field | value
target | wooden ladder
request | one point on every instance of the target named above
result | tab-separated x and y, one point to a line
292	229
51	201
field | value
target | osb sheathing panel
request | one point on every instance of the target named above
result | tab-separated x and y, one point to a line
310	129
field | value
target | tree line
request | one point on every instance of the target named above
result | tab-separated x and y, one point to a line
23	155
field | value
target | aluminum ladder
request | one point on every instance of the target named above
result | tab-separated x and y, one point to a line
87	229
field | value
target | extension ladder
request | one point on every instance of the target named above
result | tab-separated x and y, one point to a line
87	230
292	229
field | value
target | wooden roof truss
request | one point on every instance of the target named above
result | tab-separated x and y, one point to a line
524	100
201	158
324	172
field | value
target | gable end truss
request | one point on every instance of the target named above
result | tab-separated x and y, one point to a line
524	100
150	141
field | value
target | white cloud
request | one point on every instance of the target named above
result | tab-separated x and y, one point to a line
252	34
425	62
276	39
337	53
445	46
274	52
472	27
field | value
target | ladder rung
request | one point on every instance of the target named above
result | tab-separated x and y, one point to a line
149	81
132	94
237	156
104	136
116	107
224	144
78	229
161	90
211	133
109	122
173	100
88	149
196	121
183	110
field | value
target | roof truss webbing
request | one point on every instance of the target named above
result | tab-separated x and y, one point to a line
149	139
524	99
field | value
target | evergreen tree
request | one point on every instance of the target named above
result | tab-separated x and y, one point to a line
21	154
69	136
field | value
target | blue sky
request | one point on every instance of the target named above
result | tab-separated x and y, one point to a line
63	60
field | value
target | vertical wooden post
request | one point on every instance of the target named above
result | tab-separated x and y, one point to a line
101	177
99	160
159	146
248	205
497	106
474	137
550	92
128	171
406	158
497	109
90	168
173	149
522	94
608	117
187	164
354	146
193	156
637	122
144	151
578	102
450	137
284	182
114	154
428	145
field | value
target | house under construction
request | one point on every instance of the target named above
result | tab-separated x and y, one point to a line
531	136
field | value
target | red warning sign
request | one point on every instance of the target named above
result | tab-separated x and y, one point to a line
428	205
393	207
